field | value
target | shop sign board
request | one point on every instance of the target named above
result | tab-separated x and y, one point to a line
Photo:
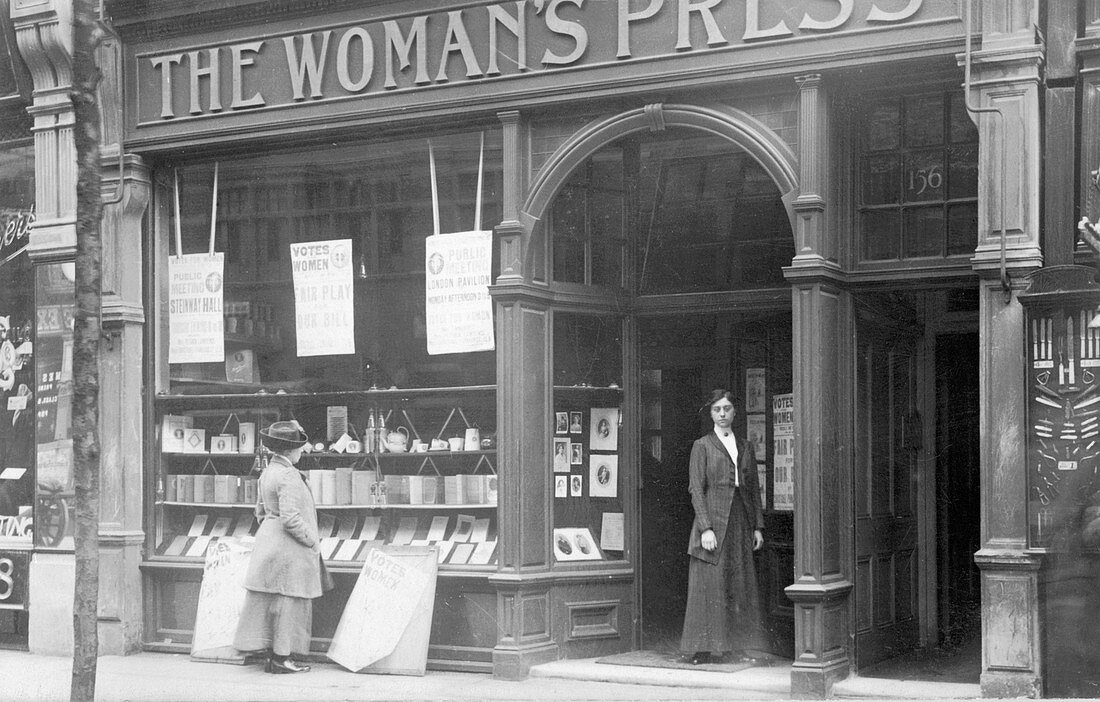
783	452
221	599
459	312
387	621
372	52
195	321
324	312
14	571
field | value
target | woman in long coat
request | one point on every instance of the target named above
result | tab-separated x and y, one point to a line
285	572
723	605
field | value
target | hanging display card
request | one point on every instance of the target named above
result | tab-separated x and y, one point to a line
387	620
756	431
755	390
221	598
783	451
196	331
323	300
611	531
458	311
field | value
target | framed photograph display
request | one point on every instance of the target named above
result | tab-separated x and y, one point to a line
561	486
604	429
603	476
576	453
575	422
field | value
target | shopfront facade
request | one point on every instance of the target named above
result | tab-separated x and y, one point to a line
785	199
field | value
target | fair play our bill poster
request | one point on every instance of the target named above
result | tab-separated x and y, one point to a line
195	322
459	313
324	313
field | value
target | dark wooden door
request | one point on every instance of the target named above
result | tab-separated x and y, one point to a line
886	520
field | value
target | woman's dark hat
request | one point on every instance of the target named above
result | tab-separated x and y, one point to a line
283	436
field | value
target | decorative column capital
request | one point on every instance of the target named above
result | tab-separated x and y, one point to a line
44	32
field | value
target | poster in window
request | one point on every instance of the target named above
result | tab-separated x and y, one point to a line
196	331
324	313
755	390
783	451
458	311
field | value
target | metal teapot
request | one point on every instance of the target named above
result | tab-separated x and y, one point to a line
397	441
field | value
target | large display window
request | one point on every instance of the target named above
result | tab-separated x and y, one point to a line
322	294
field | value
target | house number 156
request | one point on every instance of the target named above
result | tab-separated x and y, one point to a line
924	179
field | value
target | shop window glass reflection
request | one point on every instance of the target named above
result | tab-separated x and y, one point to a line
17	368
918	173
694	212
377	197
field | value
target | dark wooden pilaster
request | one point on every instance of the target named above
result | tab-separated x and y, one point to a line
823	331
1006	75
523	413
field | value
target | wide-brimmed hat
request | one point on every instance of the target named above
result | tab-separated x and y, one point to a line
283	436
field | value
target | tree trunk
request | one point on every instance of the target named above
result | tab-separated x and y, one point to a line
86	335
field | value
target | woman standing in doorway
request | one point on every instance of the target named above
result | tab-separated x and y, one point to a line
285	573
723	608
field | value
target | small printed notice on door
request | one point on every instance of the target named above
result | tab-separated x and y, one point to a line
459	313
324	312
195	322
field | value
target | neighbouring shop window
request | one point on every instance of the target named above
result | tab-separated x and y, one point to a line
671	213
918	172
587	467
17	367
375	202
56	309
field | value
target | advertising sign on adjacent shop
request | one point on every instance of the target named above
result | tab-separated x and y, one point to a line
783	451
196	326
324	313
459	314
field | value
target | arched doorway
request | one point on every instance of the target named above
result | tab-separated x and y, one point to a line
675	220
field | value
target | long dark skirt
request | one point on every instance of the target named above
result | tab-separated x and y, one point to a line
723	604
276	622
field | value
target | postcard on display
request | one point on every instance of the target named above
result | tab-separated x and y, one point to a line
755	390
371	525
438	530
329	544
575	544
561	422
345	526
576	453
576	486
246	437
575	422
464	526
603	475
483	553
480	531
458	310
406	530
462	554
324	314
347	550
198	525
611	531
604	429
444	550
561	454
561	486
198	547
756	431
196	331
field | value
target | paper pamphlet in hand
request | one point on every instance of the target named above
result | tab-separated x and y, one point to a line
221	597
379	610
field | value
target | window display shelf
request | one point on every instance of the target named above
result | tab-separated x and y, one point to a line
449	496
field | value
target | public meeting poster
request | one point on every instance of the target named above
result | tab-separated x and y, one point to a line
459	312
324	313
783	451
196	330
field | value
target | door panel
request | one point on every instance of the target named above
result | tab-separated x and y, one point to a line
887	431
